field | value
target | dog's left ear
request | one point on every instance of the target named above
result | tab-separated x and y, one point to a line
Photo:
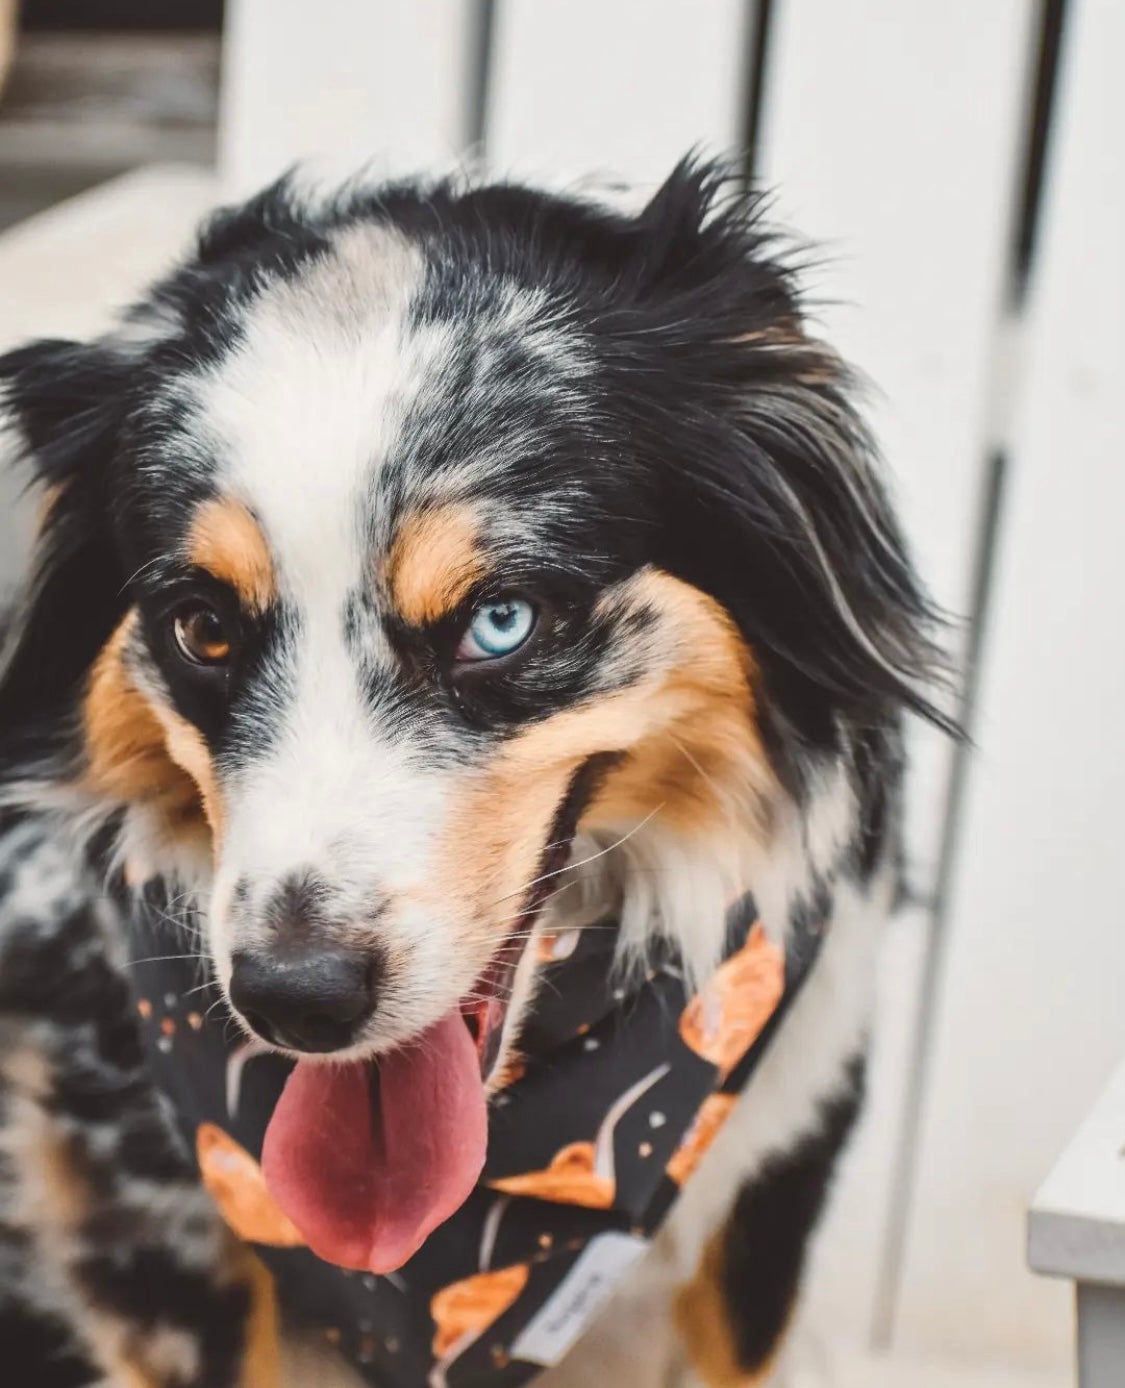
64	403
775	504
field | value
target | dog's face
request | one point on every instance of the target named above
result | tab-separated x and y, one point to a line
398	615
418	531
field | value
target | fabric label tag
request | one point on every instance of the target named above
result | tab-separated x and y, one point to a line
578	1298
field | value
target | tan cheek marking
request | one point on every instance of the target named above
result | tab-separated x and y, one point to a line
142	751
496	837
188	750
227	541
127	754
700	758
433	563
702	1315
693	753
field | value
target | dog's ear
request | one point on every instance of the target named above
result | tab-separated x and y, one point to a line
777	501
63	404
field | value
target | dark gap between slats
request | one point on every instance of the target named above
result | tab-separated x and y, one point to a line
757	58
482	29
1053	27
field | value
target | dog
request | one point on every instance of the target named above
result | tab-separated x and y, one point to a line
427	574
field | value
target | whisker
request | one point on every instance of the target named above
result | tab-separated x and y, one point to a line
215	1004
161	959
199	987
720	795
551	896
583	862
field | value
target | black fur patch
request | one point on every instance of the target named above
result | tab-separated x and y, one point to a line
150	1286
41	1344
766	1237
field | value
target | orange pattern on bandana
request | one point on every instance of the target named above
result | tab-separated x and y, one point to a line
621	1086
726	1017
234	1181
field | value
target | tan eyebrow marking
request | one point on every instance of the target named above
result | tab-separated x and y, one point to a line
227	541
433	562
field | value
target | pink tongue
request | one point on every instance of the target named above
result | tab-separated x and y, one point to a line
366	1188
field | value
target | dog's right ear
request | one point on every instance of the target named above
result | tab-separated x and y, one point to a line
64	404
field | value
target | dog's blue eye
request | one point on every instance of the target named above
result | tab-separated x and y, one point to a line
496	629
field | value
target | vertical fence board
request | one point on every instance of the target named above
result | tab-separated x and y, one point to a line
65	272
345	83
891	134
591	86
1032	1016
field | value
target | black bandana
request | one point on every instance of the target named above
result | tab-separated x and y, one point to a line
621	1089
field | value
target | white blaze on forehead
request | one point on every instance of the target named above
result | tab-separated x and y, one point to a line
301	415
307	406
337	791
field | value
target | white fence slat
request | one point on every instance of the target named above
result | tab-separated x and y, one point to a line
344	83
66	271
1032	1019
611	86
891	134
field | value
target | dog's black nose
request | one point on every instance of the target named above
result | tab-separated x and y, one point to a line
313	998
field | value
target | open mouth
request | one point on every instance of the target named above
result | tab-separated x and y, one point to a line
486	1008
367	1158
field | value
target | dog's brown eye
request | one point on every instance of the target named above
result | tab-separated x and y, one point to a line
201	636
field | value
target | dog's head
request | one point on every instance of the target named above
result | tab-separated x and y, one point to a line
395	538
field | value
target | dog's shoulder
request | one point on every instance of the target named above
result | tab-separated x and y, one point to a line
113	1263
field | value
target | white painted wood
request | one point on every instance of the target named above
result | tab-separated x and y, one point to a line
1076	1225
1032	1017
842	1369
64	272
341	83
583	87
891	133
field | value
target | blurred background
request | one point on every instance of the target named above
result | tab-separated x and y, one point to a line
962	169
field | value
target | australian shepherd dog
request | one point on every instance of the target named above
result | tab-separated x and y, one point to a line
422	570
